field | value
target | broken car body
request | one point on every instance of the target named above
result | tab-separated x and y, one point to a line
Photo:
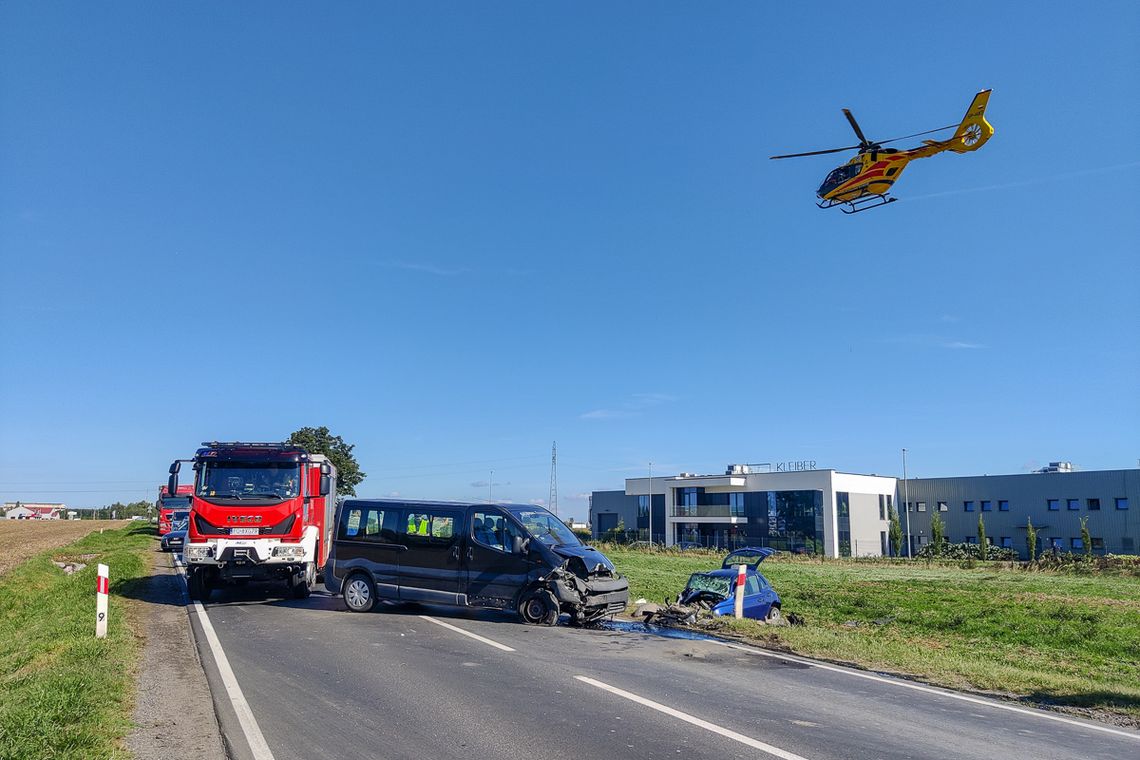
712	593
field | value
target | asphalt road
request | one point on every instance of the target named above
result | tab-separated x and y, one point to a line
323	682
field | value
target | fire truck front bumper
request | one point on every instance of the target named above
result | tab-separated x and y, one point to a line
222	551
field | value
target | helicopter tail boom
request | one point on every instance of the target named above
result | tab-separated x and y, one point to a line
974	130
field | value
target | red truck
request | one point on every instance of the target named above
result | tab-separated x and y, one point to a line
172	509
258	512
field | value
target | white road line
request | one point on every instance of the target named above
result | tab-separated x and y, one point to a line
746	740
475	636
249	727
939	692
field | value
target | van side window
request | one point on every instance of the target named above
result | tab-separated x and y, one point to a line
373	522
350	523
433	526
487	529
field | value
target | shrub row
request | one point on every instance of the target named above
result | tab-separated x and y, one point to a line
966	551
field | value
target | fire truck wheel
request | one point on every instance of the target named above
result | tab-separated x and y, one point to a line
198	587
359	593
303	581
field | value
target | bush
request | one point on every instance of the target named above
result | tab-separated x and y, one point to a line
966	552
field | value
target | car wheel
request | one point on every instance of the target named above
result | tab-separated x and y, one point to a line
303	586
774	616
538	607
359	593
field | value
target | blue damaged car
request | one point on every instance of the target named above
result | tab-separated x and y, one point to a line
713	590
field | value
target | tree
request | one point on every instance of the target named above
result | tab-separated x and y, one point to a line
1085	538
983	542
937	533
895	532
1031	539
321	441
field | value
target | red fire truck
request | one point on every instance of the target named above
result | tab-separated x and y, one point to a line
258	512
172	509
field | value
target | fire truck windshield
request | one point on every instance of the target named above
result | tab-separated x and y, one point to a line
248	480
174	502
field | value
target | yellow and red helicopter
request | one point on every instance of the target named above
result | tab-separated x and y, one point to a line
865	181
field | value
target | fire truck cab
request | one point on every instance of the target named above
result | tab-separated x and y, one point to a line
258	512
172	509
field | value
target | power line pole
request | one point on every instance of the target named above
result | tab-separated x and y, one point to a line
553	501
490	483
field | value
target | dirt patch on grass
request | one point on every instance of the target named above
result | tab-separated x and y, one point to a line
21	540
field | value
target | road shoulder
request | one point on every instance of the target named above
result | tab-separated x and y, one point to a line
174	710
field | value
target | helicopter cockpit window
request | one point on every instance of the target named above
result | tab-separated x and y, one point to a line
840	175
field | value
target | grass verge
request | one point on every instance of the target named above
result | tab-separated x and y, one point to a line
1053	638
66	694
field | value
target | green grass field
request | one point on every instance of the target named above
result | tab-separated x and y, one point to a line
1053	638
64	693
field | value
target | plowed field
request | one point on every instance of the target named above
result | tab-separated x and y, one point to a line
21	539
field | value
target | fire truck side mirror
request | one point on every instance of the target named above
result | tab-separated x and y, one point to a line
175	468
172	484
326	485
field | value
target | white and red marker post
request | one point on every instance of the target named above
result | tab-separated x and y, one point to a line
102	589
740	569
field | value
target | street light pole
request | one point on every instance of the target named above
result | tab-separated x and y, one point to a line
906	503
490	483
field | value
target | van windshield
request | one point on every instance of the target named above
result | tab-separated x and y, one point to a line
545	527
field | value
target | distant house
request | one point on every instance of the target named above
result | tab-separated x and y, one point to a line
21	511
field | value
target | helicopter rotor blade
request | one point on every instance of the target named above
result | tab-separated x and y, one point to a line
916	134
819	152
855	125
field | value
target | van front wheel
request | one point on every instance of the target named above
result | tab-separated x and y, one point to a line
538	607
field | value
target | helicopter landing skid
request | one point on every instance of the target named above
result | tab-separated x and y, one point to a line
863	203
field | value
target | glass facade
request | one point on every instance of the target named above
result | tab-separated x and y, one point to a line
785	520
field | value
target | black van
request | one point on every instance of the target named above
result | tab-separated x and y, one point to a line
502	556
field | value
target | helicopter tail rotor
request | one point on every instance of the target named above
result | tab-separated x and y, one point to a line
974	130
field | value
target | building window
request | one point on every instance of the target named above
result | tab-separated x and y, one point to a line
971	539
1077	544
922	506
1127	544
1056	543
968	506
1122	502
1097	544
987	505
643	506
942	507
882	507
1073	504
1093	504
1054	504
1003	505
736	504
1007	542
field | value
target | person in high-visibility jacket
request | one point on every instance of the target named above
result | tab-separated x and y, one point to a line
423	525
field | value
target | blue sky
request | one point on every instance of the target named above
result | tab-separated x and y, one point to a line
456	232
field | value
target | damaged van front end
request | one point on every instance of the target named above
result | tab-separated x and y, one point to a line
586	584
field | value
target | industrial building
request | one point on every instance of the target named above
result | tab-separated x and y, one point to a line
795	507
